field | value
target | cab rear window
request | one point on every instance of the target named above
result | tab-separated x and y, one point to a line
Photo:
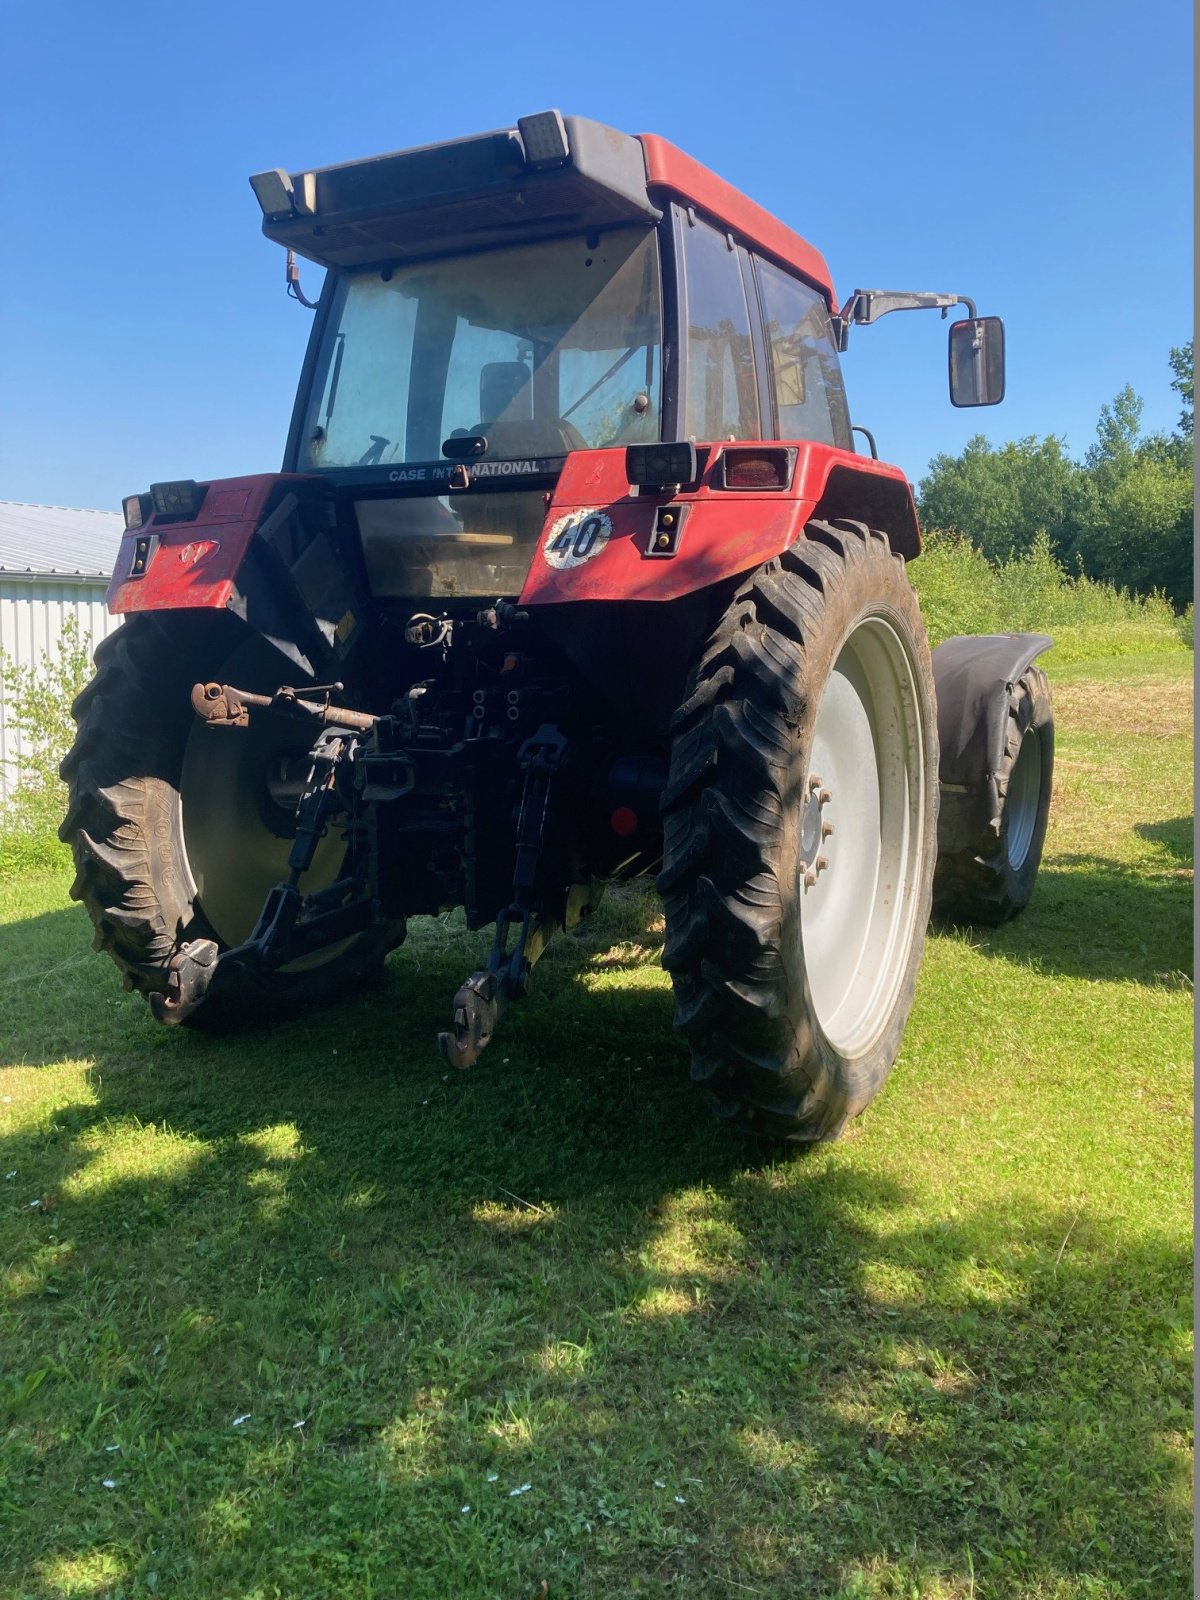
542	349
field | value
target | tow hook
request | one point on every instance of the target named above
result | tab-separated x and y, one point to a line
481	1000
476	1013
192	970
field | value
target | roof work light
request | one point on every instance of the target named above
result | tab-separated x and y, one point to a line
279	194
544	136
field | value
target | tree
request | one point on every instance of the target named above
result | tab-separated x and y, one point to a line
1117	435
1181	366
1141	537
1001	497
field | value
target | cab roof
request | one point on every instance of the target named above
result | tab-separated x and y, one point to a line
687	180
549	175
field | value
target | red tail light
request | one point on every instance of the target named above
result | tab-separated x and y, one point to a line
624	821
757	469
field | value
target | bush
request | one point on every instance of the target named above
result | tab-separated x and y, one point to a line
37	702
963	592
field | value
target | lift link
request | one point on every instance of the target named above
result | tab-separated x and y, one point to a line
280	935
481	1000
223	706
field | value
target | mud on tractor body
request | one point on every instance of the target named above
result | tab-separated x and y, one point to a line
572	573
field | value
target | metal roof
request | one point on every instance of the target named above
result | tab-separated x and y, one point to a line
55	541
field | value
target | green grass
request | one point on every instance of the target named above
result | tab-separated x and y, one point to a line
948	1357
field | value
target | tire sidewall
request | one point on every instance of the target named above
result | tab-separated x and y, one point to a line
1031	714
856	1077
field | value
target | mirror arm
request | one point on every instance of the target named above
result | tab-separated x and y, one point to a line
868	305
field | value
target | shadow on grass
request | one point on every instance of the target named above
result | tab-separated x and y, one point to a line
1103	920
555	1268
1177	837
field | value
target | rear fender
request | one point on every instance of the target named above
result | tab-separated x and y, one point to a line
720	532
265	548
975	676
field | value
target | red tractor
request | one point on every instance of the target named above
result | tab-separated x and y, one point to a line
572	573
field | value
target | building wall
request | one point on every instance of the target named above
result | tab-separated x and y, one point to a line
32	613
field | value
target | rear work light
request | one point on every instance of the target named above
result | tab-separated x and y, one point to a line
660	466
180	500
137	508
757	469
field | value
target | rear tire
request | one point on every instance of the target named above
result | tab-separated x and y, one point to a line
991	878
125	824
812	705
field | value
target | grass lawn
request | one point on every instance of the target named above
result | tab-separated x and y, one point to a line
302	1315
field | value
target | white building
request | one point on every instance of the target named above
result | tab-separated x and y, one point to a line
54	564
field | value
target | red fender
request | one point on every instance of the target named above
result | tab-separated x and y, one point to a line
194	564
722	532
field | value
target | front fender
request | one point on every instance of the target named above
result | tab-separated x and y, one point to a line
975	676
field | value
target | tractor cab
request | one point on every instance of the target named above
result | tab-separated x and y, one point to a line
493	305
479	372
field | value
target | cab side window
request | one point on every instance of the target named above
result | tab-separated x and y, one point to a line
722	392
807	376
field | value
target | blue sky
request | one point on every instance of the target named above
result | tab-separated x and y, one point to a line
1034	156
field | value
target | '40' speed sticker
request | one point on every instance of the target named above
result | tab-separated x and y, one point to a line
576	538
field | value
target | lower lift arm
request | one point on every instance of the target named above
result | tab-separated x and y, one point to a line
290	924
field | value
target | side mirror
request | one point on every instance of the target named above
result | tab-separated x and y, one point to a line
977	361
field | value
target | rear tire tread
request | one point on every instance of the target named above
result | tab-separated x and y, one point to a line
724	823
131	873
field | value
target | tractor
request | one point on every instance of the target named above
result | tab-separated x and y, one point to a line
573	572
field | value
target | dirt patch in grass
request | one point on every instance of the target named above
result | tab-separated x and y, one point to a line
1155	707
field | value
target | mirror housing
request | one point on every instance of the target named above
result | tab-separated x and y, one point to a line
977	361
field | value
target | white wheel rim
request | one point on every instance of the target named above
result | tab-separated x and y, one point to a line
862	837
1024	797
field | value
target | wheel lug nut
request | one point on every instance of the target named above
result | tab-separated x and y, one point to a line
813	785
822	863
824	797
826	830
810	878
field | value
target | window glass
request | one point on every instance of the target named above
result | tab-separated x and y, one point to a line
722	397
612	395
809	394
543	348
451	544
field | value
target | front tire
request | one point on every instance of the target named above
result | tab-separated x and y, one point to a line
157	865
988	879
800	835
